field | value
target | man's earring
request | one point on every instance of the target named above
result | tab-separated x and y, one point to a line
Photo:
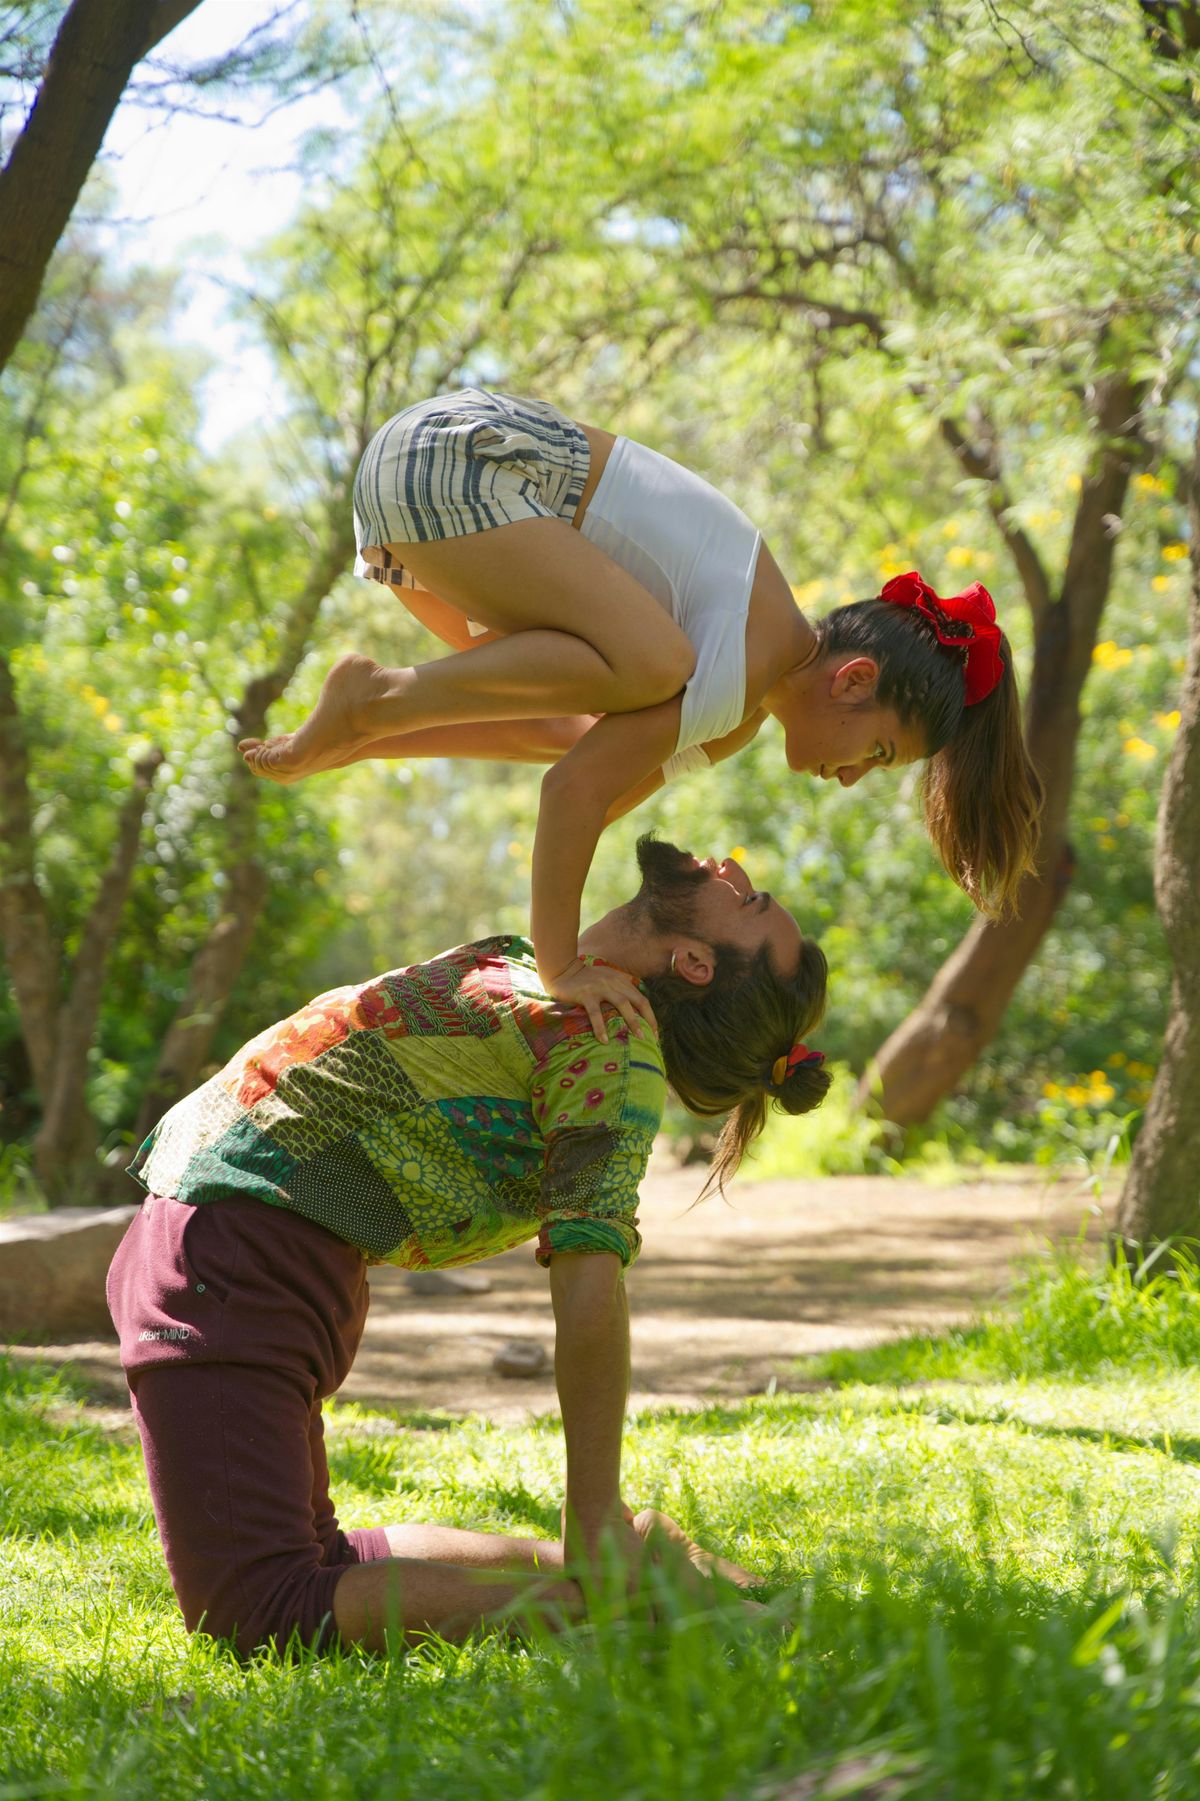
674	971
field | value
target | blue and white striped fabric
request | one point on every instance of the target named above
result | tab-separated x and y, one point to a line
462	463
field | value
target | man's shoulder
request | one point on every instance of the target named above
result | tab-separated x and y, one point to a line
504	951
620	1085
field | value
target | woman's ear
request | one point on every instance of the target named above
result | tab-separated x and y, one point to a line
693	961
855	679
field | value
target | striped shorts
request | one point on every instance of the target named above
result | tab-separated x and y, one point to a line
462	463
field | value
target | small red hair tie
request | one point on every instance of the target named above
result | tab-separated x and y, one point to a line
783	1066
965	622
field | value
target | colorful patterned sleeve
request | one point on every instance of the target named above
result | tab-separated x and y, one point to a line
598	1107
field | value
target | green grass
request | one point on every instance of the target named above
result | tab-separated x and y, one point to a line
1068	1316
984	1567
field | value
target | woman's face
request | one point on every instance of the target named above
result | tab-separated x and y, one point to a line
836	730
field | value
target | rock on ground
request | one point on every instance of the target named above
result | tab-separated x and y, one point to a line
52	1270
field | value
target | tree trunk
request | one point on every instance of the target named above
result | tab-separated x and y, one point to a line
98	44
219	961
1162	1191
961	1012
31	950
64	1150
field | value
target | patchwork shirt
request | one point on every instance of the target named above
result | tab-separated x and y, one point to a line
434	1116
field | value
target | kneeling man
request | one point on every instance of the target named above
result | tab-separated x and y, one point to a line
434	1116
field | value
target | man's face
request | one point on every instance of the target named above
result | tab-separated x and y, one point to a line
714	902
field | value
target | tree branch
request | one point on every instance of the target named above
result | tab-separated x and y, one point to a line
86	73
984	465
825	314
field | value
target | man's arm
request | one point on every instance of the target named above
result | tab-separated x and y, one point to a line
591	1369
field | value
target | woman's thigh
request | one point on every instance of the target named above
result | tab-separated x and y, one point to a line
543	574
448	623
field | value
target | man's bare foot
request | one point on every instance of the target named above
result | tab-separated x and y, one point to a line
335	727
651	1524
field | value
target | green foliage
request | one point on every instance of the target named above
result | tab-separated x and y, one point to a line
949	209
1067	1317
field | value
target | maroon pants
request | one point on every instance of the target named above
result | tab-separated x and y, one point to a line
236	1319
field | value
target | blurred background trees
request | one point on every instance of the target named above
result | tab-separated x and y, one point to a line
915	284
1160	1194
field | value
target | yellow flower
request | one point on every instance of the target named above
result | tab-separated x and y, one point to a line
514	848
1074	483
1100	825
1101	1092
1137	747
1149	484
1160	583
889	566
1118	1060
959	556
950	528
805	592
1174	553
1051	1091
1106	843
1122	820
1111	655
738	852
1077	1096
1167	722
1141	1072
112	723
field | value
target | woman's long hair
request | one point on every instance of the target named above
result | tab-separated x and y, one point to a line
720	1043
982	794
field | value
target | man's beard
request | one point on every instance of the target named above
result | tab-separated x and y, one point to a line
671	883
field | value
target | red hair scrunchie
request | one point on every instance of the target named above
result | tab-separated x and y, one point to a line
783	1066
965	622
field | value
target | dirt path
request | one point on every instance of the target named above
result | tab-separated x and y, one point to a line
722	1298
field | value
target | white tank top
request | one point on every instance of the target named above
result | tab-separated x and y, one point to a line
696	552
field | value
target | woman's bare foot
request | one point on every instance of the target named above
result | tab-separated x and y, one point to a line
335	727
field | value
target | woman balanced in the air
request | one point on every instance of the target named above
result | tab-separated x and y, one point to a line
577	575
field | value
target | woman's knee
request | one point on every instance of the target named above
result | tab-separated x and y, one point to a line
661	668
550	739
